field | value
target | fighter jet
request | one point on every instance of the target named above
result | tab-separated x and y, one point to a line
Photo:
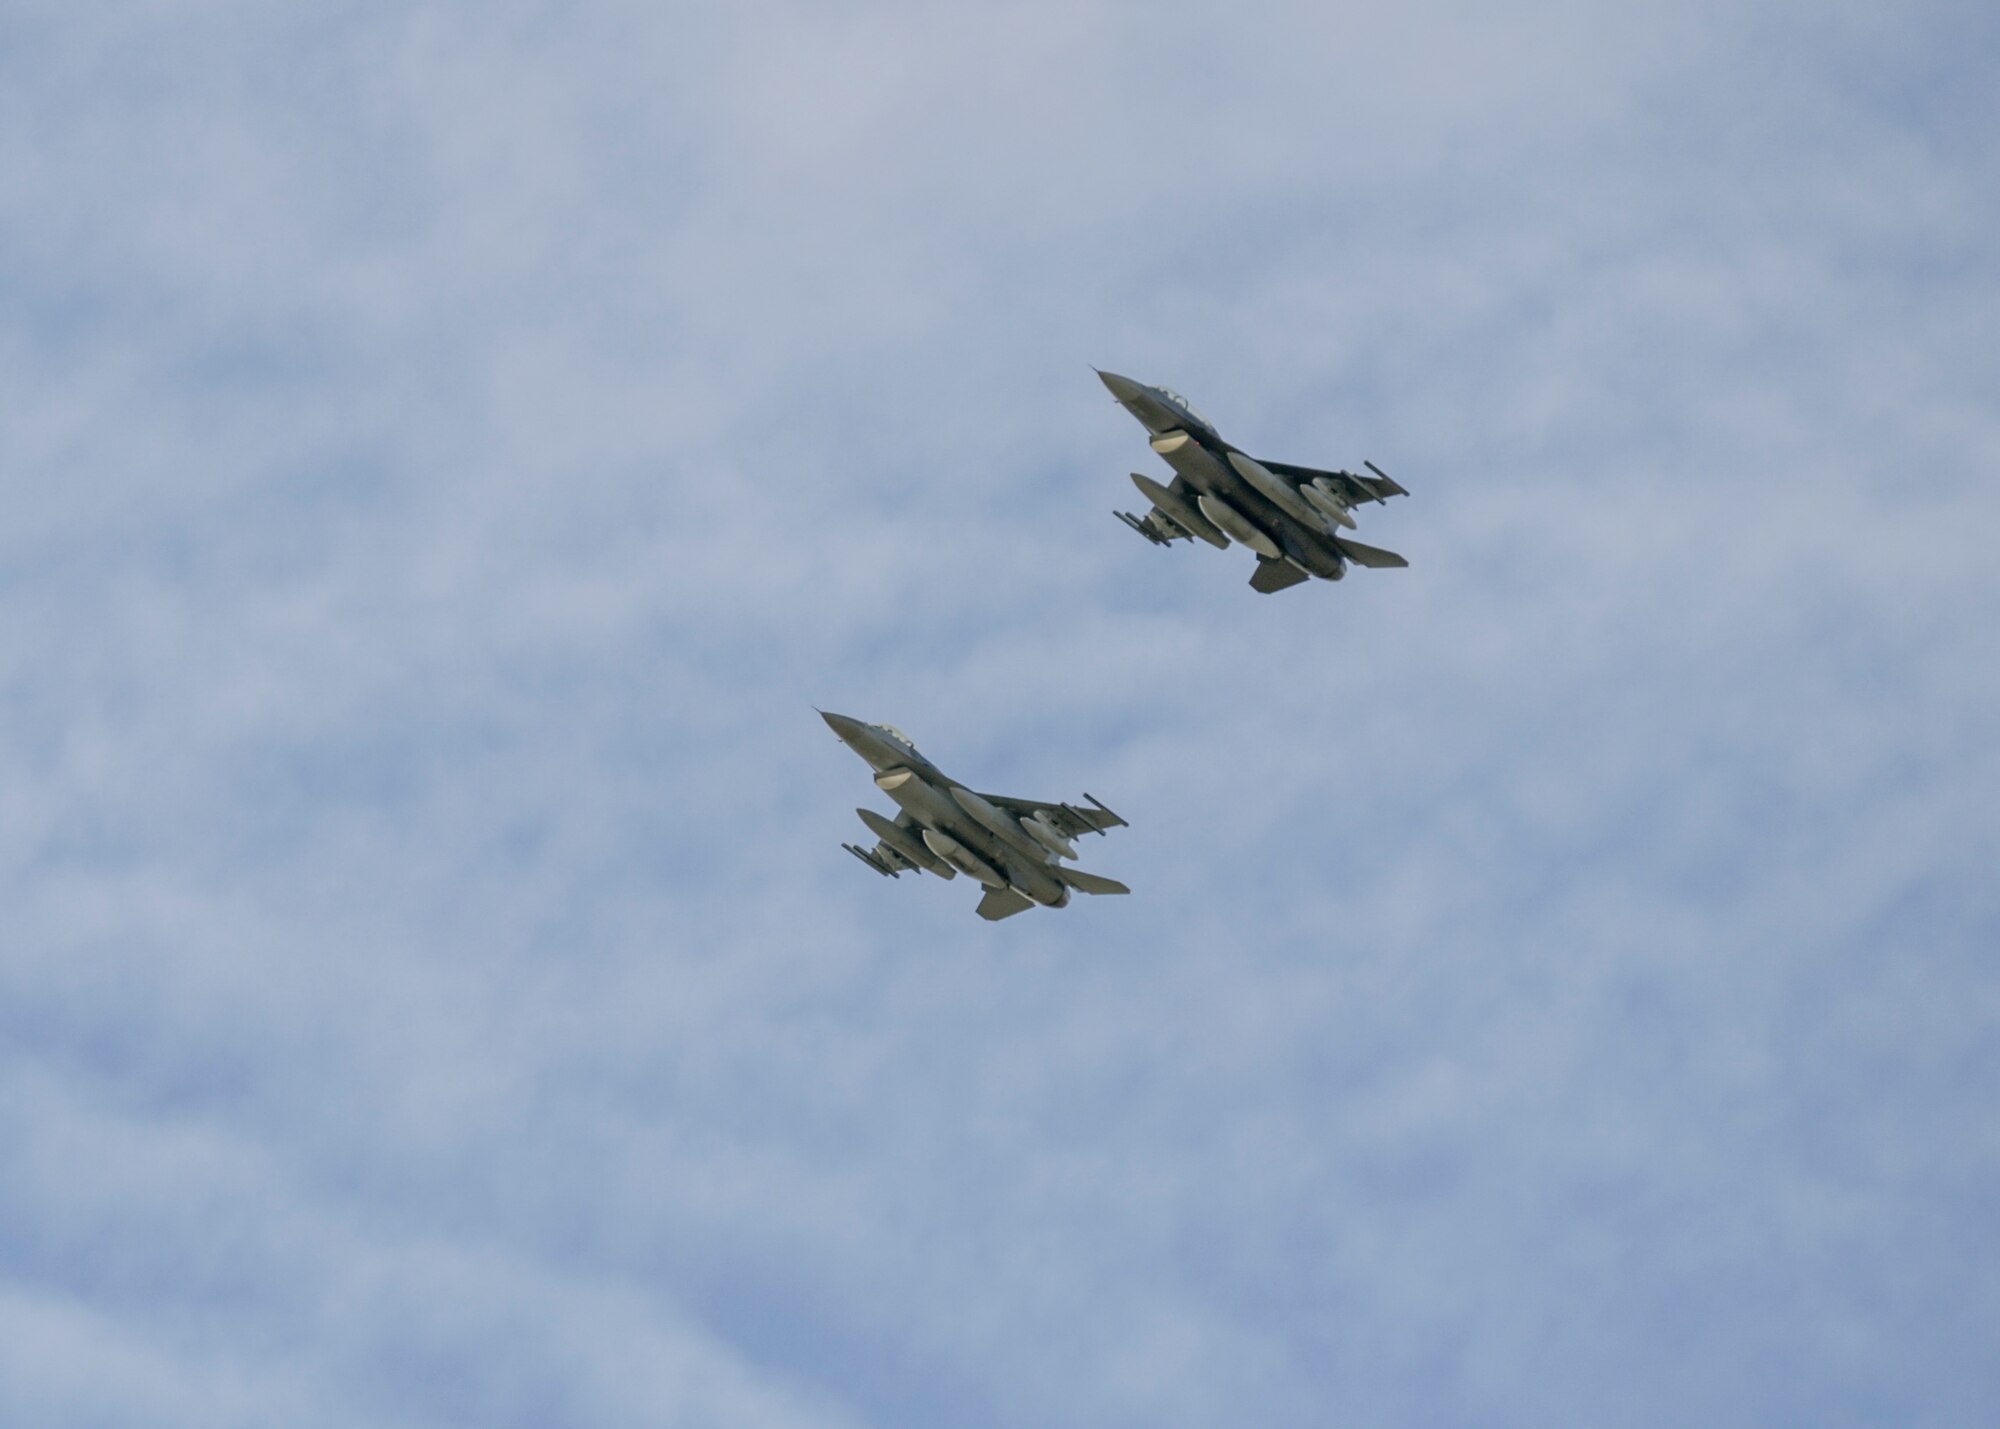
1014	847
1289	515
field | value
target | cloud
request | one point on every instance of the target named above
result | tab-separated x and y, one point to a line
453	449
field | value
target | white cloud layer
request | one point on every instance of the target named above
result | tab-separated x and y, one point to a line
450	447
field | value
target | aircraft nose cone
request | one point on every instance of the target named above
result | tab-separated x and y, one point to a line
842	725
1123	388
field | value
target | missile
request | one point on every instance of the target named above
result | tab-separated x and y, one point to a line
906	843
1048	836
963	859
1323	496
1000	824
1388	481
1279	491
872	861
1029	874
1237	526
1160	532
1178	511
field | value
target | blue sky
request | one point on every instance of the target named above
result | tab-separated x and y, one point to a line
450	447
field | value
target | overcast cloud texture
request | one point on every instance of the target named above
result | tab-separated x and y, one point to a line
448	448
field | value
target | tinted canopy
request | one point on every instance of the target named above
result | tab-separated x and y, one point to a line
895	734
1187	406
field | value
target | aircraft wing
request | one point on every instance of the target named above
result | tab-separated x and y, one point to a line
1068	819
1355	489
1158	525
1176	513
883	859
899	849
1153	526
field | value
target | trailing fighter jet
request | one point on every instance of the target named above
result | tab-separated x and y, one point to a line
1014	847
1289	515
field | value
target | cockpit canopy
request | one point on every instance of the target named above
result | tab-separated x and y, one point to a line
1187	406
895	734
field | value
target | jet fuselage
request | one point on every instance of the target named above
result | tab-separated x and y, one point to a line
1202	459
946	819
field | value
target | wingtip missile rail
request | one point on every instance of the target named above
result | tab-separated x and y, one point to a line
904	844
872	861
1180	515
1387	480
1102	809
1143	528
1087	821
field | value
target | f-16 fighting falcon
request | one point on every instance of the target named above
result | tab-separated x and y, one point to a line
1288	515
1014	847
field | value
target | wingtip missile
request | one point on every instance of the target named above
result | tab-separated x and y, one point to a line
1116	821
1143	529
872	861
906	845
1384	477
1178	511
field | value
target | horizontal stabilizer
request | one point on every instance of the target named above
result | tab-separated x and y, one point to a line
1002	903
1275	576
1372	556
1088	882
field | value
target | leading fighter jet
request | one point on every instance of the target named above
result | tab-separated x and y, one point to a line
1014	847
1288	515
